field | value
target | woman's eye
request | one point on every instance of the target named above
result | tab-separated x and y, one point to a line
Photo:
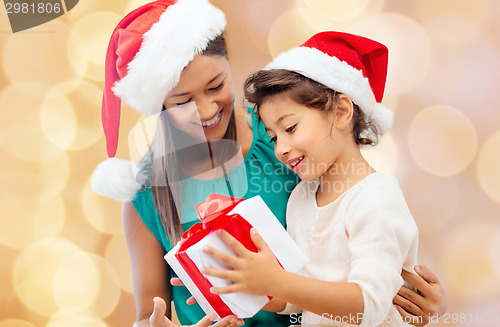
290	129
183	103
218	87
273	139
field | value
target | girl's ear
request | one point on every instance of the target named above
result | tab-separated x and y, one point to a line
343	112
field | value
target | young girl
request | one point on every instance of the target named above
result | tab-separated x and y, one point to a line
352	222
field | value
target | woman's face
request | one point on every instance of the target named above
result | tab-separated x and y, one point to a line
204	97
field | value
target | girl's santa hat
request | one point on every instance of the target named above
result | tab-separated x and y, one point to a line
350	64
146	55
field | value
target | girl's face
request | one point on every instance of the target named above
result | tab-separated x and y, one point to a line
305	139
204	97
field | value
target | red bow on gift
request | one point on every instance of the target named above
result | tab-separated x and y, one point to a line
213	213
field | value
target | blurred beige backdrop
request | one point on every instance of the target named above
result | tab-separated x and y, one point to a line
63	256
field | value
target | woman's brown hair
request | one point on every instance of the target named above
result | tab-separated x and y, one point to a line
303	90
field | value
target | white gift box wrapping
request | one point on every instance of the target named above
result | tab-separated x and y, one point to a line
258	214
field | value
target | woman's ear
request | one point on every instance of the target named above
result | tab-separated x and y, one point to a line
343	112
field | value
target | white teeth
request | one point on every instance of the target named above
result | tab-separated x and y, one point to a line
212	121
293	164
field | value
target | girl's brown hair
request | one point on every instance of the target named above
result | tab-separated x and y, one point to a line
162	164
303	90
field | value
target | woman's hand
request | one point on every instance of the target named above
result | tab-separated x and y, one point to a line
430	300
251	273
158	318
175	281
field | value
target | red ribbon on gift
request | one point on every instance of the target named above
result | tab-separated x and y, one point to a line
214	217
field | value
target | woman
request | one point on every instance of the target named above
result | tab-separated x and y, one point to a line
163	56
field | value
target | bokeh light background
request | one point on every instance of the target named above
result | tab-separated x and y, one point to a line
63	256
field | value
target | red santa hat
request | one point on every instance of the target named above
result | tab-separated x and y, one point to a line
350	64
146	55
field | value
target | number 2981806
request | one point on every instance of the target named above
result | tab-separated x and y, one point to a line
474	318
33	8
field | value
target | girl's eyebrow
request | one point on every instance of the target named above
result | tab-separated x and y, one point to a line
280	119
186	93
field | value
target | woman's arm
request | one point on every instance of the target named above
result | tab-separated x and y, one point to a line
150	274
275	305
158	318
150	271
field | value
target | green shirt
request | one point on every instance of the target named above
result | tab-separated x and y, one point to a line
267	177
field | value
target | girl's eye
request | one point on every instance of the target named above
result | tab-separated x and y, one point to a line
218	87
183	103
273	139
290	129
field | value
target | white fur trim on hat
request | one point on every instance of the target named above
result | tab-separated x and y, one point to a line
337	75
330	71
381	117
116	178
182	32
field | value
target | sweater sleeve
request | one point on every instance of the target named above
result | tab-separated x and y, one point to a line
383	238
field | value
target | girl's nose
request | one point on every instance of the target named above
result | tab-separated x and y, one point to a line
282	149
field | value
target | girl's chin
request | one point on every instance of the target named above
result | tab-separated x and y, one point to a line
306	178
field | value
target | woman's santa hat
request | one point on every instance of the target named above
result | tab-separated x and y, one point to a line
146	55
350	64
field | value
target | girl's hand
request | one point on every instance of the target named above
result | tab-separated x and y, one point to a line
158	318
252	273
430	299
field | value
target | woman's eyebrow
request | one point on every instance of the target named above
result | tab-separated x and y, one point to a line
213	79
187	93
179	95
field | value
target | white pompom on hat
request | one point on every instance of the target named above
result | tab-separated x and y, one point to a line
347	63
146	55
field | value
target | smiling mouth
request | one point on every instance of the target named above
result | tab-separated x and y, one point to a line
212	122
294	163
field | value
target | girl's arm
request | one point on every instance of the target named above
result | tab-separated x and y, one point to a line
260	274
149	270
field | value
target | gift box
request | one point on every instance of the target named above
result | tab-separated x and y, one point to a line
237	217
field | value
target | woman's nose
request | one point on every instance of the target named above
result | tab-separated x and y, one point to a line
207	108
